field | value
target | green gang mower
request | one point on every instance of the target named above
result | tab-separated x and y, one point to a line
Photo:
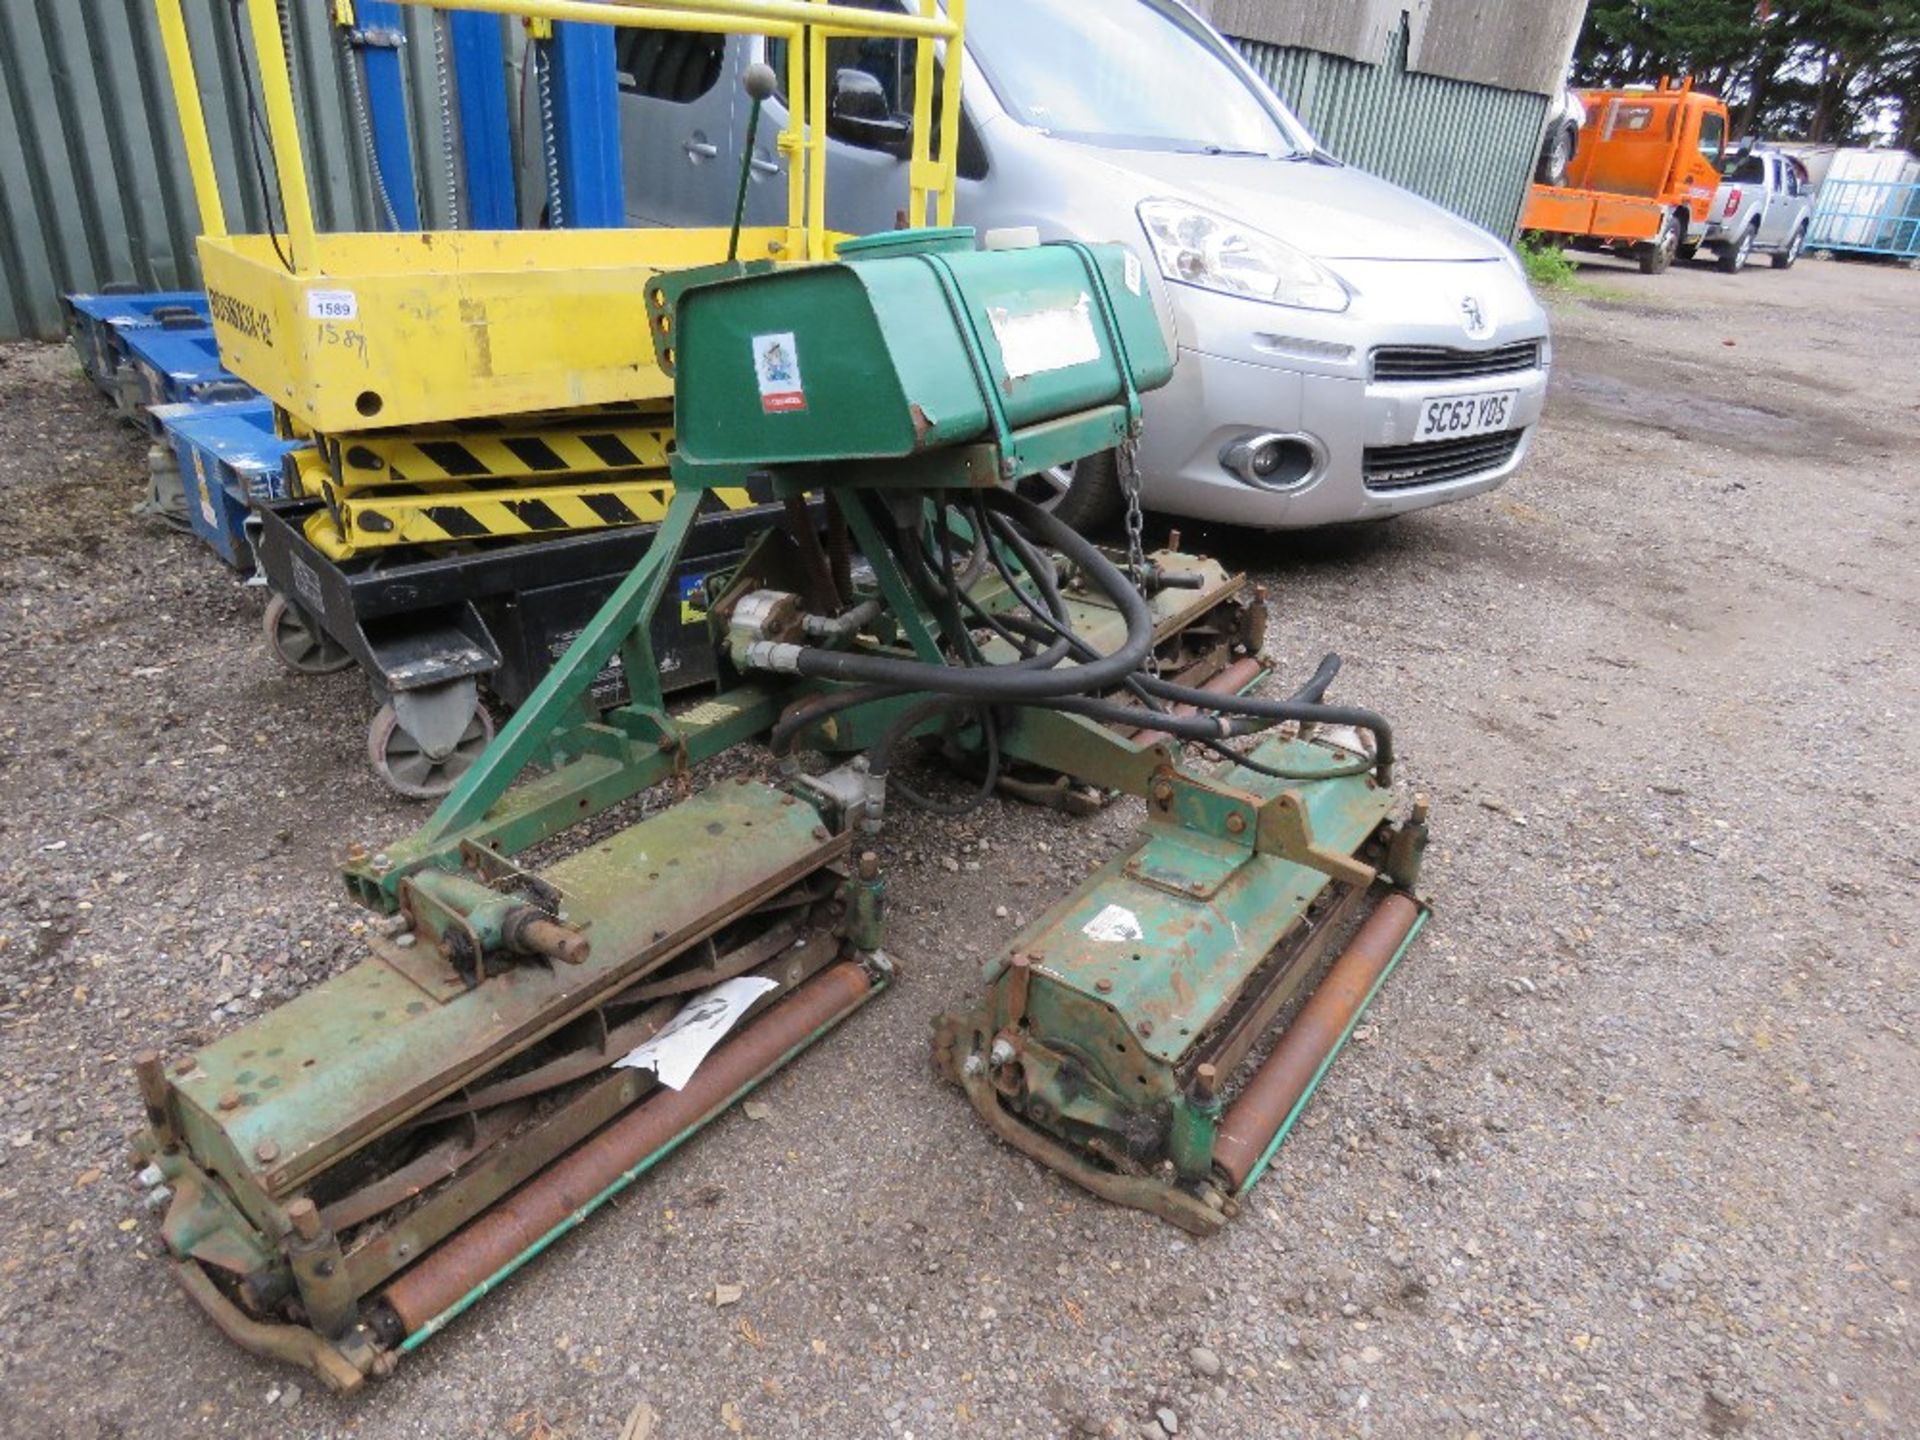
557	996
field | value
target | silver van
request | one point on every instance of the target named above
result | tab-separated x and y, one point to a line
1346	350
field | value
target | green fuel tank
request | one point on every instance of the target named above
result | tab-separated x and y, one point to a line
910	342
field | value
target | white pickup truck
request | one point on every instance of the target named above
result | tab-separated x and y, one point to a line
1763	203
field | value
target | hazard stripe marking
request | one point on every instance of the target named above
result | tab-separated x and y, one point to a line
611	449
534	453
536	515
453	458
610	509
457	523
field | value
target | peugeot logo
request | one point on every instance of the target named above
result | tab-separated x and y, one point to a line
1474	317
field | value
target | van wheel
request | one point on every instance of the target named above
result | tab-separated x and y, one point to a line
1783	259
1657	254
1556	153
1733	259
1083	493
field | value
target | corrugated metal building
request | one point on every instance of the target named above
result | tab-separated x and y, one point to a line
1445	97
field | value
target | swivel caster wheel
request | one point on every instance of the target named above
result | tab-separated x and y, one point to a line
419	769
299	644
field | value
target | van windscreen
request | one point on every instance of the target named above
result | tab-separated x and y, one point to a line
1128	73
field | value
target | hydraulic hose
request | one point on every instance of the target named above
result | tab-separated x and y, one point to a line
938	598
880	757
999	683
1323	675
1053	609
815	708
1033	680
1277	711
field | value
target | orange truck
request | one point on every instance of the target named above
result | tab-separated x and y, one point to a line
1642	180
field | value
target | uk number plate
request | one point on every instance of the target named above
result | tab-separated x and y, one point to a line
1464	415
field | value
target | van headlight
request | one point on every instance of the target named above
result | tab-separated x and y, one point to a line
1198	247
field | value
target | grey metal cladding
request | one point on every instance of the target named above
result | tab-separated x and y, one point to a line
1512	44
1354	29
1467	147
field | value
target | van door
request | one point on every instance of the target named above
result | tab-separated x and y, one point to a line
678	91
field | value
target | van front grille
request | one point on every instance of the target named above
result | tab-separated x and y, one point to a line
1407	467
1439	362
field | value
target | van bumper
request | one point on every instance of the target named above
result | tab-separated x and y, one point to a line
1369	462
1350	388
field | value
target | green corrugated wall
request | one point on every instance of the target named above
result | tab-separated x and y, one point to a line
93	176
1468	147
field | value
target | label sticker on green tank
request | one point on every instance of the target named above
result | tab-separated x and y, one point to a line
776	365
1035	341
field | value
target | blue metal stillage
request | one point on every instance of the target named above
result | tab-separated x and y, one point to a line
486	146
378	37
587	121
1867	217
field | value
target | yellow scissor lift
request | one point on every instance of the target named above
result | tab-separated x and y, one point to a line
427	367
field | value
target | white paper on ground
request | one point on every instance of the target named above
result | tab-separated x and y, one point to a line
676	1052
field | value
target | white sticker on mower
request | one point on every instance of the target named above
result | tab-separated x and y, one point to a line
1132	263
676	1052
776	365
1116	922
1037	341
332	305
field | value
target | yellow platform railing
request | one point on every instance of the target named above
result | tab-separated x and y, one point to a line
356	331
806	25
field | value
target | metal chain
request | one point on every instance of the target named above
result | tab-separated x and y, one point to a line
549	133
363	119
1128	459
443	81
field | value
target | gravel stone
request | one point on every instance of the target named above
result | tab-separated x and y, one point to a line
1688	618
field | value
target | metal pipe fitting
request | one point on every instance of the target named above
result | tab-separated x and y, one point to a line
844	626
773	655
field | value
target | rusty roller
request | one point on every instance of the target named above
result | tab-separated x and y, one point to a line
1288	1073
493	1242
1230	681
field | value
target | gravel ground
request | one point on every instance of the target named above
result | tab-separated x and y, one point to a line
1627	1147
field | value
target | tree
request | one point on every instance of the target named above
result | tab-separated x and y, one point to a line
1823	70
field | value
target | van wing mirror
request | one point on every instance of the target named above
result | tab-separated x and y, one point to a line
858	113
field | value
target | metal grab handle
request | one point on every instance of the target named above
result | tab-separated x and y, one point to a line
764	165
701	150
